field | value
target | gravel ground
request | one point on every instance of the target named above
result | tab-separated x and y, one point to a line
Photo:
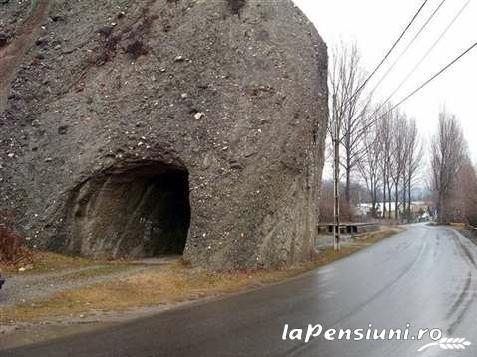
326	241
23	289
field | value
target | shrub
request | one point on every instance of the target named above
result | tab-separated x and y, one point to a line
9	245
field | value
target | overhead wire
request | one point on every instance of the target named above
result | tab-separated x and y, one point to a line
441	36
418	33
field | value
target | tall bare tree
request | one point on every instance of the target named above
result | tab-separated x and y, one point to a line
448	151
369	164
398	154
462	202
412	165
349	107
385	127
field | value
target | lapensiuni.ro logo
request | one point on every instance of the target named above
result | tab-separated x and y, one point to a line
371	333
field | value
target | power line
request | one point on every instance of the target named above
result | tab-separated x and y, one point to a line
455	60
409	45
433	77
426	54
390	50
336	150
414	69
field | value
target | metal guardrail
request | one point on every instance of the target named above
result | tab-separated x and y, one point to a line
347	228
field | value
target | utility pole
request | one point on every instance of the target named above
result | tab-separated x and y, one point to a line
336	180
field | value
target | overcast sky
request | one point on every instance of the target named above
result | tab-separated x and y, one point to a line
376	24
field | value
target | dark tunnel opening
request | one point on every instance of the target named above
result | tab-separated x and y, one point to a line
143	211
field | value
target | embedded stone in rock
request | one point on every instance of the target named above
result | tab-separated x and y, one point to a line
105	31
135	49
3	39
62	130
42	42
236	5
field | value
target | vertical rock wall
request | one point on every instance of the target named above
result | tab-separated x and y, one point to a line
233	93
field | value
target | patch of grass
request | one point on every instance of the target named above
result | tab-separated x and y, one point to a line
170	284
94	272
157	286
359	242
43	262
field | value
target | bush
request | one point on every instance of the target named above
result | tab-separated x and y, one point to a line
9	245
10	242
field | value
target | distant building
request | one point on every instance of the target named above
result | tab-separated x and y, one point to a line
419	209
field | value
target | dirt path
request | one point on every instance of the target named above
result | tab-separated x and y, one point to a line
23	289
12	55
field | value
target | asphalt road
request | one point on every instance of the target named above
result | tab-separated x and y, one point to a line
424	276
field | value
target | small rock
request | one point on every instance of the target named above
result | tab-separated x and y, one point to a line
62	130
179	59
3	39
105	31
42	42
199	116
235	165
135	49
57	18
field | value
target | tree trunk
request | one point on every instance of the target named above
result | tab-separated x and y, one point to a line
389	199
384	195
348	188
409	195
396	201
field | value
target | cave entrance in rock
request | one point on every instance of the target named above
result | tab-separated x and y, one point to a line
139	211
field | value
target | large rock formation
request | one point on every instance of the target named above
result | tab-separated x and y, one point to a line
138	128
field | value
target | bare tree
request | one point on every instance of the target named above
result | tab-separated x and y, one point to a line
348	114
369	164
398	155
413	156
384	128
448	151
462	201
343	83
396	148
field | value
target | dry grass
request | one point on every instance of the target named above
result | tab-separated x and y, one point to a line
362	241
156	286
43	262
166	285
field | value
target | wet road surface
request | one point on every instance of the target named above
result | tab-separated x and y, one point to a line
424	276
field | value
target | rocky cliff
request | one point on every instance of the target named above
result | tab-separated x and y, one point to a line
148	127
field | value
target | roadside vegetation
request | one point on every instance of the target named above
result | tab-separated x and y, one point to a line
163	285
36	262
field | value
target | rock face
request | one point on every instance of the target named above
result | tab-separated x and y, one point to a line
139	128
